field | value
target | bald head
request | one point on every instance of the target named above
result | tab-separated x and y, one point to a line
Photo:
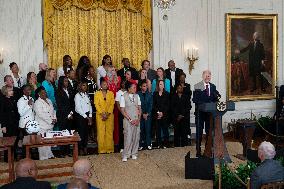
82	169
206	76
77	183
42	66
26	168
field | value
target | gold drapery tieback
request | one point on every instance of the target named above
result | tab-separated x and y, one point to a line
120	28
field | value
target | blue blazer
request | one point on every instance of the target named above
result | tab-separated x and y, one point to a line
147	102
167	85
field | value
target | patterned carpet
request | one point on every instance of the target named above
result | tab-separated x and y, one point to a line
157	169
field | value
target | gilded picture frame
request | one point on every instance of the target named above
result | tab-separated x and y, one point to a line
251	56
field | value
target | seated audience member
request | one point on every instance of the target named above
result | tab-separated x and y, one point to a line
120	116
9	116
42	72
25	108
130	105
145	122
161	76
26	174
82	169
126	66
269	170
143	76
67	65
32	81
161	105
19	81
77	184
180	106
173	73
46	117
9	82
151	74
82	67
104	102
102	69
83	109
49	86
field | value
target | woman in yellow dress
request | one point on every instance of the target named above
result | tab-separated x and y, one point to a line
104	102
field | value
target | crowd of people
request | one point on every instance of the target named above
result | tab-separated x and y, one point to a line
125	109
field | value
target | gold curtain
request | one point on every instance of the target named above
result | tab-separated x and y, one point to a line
120	28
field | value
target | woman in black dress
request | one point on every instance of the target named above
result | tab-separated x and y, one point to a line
9	116
161	104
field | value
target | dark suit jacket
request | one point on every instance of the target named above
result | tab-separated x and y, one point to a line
268	171
41	76
134	73
9	115
27	183
256	55
151	74
177	74
161	103
180	106
200	96
64	107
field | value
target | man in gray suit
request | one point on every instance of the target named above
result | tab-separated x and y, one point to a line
269	170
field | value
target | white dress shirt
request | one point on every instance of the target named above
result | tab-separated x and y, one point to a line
122	100
208	87
18	82
83	104
173	77
60	71
25	110
101	72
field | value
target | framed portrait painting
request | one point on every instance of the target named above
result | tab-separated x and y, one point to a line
251	56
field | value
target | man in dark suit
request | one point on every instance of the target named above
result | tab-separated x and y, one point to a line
204	92
151	74
126	66
26	173
269	170
173	73
256	60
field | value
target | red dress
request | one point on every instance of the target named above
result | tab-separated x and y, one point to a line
114	88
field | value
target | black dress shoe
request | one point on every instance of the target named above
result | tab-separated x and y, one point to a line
198	154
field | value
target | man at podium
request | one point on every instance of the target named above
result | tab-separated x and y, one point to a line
204	92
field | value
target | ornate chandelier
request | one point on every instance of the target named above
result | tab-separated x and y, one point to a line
165	4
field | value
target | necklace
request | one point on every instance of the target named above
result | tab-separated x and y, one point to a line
131	99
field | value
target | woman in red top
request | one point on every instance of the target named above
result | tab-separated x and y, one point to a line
113	82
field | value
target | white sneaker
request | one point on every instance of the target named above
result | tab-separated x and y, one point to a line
124	159
149	147
134	157
121	150
140	148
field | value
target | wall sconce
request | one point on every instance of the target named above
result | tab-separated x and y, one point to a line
1	56
192	57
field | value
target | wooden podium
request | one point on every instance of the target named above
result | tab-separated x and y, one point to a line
215	146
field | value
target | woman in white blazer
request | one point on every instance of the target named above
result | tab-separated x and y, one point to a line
25	107
46	118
